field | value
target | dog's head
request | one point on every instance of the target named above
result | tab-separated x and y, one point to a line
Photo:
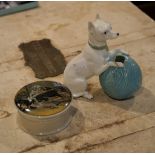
100	30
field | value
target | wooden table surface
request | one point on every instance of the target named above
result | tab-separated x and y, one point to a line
99	125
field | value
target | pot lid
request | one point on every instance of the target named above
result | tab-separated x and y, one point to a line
43	98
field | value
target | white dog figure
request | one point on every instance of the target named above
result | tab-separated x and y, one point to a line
93	60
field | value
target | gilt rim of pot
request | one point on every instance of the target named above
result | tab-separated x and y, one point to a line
44	116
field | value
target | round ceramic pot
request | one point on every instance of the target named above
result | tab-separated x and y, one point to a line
122	82
44	107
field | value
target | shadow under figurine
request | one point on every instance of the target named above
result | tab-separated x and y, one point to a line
94	59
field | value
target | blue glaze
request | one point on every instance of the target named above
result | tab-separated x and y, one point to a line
122	83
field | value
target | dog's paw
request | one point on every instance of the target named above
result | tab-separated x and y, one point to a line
87	95
112	63
76	95
120	64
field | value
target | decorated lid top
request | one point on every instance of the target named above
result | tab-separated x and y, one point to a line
43	98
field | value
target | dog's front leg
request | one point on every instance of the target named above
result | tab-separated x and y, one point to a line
101	69
104	67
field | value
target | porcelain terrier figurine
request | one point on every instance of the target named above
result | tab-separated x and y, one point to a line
94	59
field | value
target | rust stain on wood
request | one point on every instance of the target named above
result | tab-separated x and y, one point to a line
89	147
68	146
73	54
90	86
4	114
112	124
30	148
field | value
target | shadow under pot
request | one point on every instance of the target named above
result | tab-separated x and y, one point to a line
43	107
122	82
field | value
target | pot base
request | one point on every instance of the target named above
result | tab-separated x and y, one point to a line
43	127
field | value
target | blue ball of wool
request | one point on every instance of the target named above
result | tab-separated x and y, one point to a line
122	82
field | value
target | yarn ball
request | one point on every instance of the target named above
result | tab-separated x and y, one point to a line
122	82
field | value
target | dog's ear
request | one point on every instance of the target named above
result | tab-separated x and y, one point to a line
98	16
90	27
